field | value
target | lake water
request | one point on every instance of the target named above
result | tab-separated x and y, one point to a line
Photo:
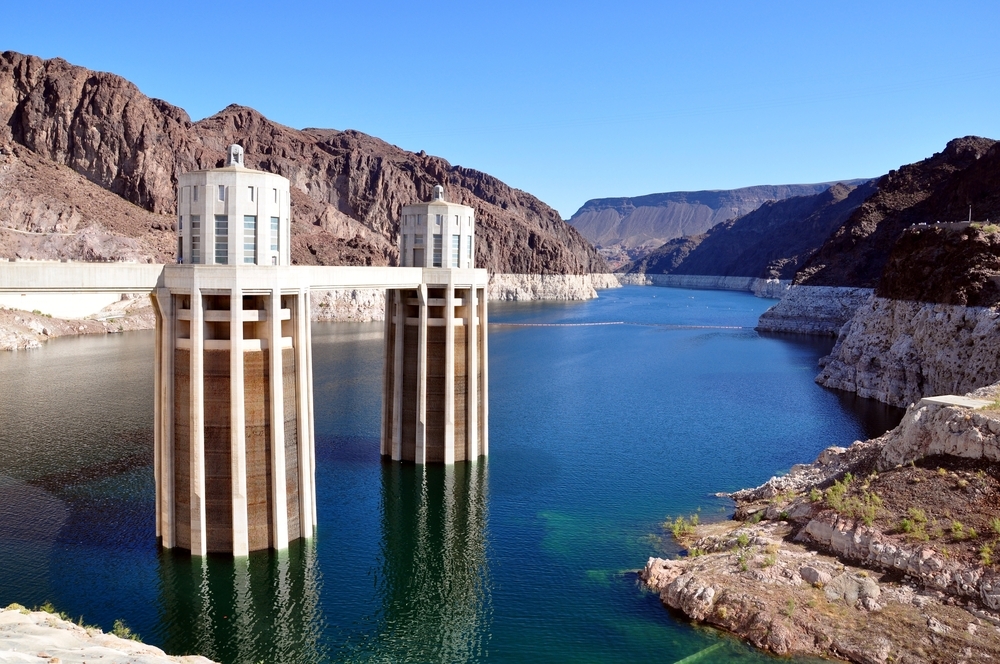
598	433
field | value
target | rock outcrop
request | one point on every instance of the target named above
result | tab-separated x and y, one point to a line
898	351
882	551
819	310
949	263
940	188
347	187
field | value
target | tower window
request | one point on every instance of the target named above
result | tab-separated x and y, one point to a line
438	219
194	193
456	249
402	251
249	239
274	233
275	195
195	238
469	250
221	239
418	239
250	191
222	192
437	250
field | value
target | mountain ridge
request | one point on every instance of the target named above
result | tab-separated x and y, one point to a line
629	227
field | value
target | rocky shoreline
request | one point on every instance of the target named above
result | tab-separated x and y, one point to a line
768	288
44	637
818	310
883	551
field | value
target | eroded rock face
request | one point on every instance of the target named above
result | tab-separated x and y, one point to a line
899	351
347	188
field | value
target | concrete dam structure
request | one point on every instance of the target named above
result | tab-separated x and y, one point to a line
234	457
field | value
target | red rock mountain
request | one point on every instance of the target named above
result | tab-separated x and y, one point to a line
71	137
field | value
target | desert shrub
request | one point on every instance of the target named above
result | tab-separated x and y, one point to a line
122	631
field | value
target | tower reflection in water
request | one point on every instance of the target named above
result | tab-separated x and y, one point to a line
435	582
264	607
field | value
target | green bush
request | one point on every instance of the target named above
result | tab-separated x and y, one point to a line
122	631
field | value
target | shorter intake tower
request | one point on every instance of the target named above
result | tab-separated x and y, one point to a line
435	406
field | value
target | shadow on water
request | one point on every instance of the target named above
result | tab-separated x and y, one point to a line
874	416
265	607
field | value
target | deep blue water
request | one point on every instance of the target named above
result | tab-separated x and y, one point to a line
597	434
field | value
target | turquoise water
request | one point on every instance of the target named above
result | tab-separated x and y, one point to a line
597	434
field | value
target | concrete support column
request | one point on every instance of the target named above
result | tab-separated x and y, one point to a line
199	541
300	319
279	502
420	456
449	371
472	374
167	338
237	419
157	410
309	437
484	394
399	318
385	447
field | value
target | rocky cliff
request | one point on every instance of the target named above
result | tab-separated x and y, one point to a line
819	310
933	326
771	242
347	187
940	188
898	351
627	229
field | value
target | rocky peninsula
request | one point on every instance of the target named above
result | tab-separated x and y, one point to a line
884	551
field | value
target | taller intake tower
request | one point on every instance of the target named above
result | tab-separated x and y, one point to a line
234	453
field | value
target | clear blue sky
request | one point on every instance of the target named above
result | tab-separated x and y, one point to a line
569	100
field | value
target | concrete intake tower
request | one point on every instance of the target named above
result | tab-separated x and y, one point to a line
234	457
435	401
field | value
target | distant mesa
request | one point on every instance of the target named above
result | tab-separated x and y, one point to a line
627	229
